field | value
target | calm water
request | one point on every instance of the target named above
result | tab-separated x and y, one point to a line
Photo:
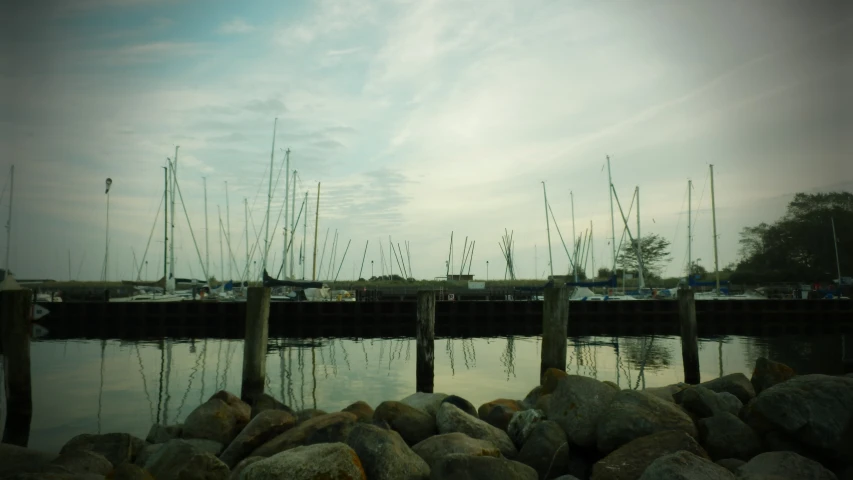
90	386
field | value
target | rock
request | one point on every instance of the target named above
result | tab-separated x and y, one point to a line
452	419
768	373
668	392
147	452
115	447
634	414
220	419
567	477
209	446
181	460
264	427
129	471
783	465
464	467
530	400
685	466
413	424
733	403
462	404
83	461
579	465
163	433
312	462
551	378
308	414
731	464
543	402
736	383
630	460
425	402
612	385
385	455
266	402
24	460
577	404
329	428
439	446
236	471
812	409
546	450
704	403
362	411
499	416
522	424
726	436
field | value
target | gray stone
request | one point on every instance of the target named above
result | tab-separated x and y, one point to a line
266	402
146	453
726	436
768	373
736	383
685	466
815	410
264	427
546	450
220	419
532	397
83	461
425	402
704	403
384	454
329	428
362	411
577	404
181	460
129	471
462	404
452	419
734	404
464	467
209	446
236	471
731	464
413	424
24	460
115	447
163	433
313	462
567	477
439	446
522	424
783	465
668	392
629	461
633	414
551	378
499	416
308	414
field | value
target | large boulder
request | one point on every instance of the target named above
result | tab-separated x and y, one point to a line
264	427
425	402
413	424
577	404
629	461
220	419
362	411
736	383
129	471
385	455
551	378
522	424
451	419
439	446
163	433
667	392
704	403
115	447
83	462
209	446
329	428
312	462
768	373
546	450
783	465
267	402
464	467
812	410
238	470
726	436
532	397
633	414
460	403
24	460
684	465
731	464
147	452
181	460
308	414
499	412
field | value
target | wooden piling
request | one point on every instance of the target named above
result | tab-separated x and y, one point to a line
689	337
15	337
555	321
255	345
426	342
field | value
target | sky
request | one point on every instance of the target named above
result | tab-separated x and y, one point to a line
419	118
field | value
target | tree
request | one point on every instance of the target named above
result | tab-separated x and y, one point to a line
654	252
604	272
697	269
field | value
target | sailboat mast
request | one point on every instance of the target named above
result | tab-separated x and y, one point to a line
221	251
228	232
166	223
206	235
612	221
316	225
9	221
293	221
574	238
286	211
592	252
641	280
689	230
548	229
714	221
304	234
174	181
837	261
269	197
246	214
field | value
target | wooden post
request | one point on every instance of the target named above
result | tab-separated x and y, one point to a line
689	337
555	322
426	342
15	337
255	345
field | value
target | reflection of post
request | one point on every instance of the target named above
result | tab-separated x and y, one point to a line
15	338
255	345
555	319
689	337
847	353
425	372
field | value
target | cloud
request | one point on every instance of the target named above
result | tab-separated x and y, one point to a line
269	106
328	144
236	26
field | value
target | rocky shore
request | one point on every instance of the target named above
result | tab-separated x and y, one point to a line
776	425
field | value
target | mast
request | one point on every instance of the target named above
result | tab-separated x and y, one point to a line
612	221
246	209
166	223
837	261
293	221
304	235
206	235
714	221
548	228
9	221
228	233
641	281
269	196
689	230
174	181
592	252
221	252
316	224
574	238
107	248
286	211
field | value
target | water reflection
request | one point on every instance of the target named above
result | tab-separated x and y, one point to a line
88	386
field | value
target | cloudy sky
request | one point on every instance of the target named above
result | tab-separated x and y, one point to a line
420	118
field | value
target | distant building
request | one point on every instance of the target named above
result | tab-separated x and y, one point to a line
460	278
